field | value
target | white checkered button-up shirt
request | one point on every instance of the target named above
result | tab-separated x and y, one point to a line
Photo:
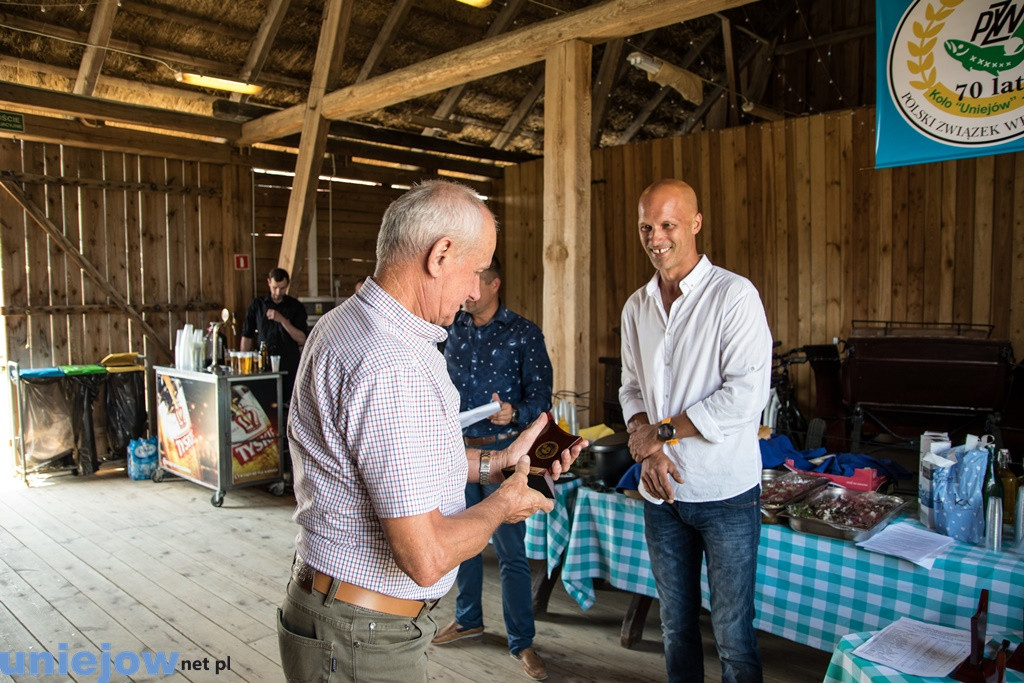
374	433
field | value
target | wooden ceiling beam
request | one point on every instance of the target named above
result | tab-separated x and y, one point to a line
732	82
109	82
261	44
829	39
355	170
207	66
520	113
607	76
384	136
395	19
216	28
452	97
595	24
99	36
652	104
69	104
116	139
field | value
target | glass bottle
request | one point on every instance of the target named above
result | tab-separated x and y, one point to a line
993	487
264	357
1009	482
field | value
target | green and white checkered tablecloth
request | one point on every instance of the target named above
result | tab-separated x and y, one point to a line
548	534
845	667
607	541
810	589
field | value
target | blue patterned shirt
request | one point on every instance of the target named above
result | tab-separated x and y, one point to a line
506	356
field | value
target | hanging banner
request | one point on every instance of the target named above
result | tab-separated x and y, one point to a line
950	79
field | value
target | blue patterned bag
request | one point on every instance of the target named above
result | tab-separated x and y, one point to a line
957	489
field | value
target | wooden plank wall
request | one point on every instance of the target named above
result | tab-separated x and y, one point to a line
153	227
797	207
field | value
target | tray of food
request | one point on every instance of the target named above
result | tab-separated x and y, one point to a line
780	490
841	513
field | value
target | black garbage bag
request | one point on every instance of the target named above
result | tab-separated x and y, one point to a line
48	436
126	410
86	388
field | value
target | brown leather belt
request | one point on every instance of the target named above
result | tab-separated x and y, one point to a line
309	579
488	440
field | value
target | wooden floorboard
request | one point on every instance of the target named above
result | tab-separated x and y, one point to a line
101	562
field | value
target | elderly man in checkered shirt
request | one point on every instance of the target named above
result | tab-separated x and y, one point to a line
380	465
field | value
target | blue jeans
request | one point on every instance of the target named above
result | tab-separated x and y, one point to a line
726	532
516	590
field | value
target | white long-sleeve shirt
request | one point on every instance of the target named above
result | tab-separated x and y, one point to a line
710	356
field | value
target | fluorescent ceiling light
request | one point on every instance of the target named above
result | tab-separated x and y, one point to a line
218	83
476	3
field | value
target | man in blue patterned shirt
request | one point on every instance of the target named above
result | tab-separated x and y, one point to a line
495	355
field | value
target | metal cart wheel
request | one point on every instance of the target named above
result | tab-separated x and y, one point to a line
277	488
218	499
157	475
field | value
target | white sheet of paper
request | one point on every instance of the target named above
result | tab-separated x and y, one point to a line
909	542
474	415
917	648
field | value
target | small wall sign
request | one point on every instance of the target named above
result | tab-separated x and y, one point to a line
12	121
241	262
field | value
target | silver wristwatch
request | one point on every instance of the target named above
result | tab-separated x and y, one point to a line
485	468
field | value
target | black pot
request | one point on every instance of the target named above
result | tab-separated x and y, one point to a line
611	457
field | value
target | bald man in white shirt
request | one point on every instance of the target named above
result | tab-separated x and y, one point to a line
696	363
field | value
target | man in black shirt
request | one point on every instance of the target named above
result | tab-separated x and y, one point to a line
280	321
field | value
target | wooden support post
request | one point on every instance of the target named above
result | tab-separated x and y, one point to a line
566	307
313	143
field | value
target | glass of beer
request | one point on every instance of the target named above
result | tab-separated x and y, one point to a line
236	363
246	361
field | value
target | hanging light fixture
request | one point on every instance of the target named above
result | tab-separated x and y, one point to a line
476	3
218	83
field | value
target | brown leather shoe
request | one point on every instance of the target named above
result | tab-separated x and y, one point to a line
533	666
453	632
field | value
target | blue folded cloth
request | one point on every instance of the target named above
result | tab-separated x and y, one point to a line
630	480
776	450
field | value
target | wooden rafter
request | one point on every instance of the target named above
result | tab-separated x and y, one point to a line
730	69
516	119
716	92
333	32
160	14
38	214
607	76
92	58
597	23
159	54
59	103
126	140
262	43
384	136
396	17
652	104
828	39
452	97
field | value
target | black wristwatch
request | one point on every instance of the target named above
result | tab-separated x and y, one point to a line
667	431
